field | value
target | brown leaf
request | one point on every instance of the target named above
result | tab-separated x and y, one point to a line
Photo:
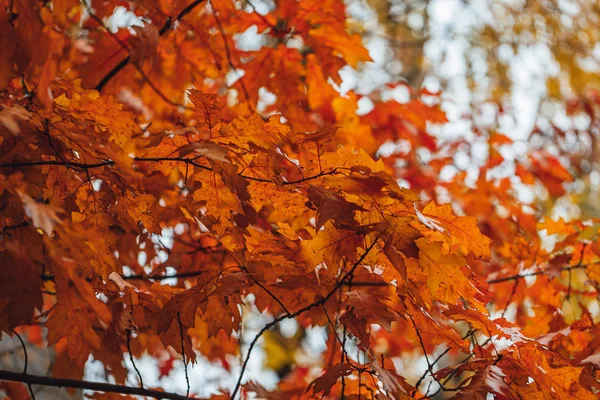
370	306
20	287
325	382
357	327
332	206
144	43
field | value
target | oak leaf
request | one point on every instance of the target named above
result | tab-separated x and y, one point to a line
446	279
457	232
325	382
371	306
332	206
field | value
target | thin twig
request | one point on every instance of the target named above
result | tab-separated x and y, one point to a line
230	58
263	287
342	346
26	360
344	338
187	378
428	388
332	326
429	365
181	275
422	377
124	46
135	277
131	358
170	22
512	294
469	356
343	355
50	141
540	272
469	333
578	265
297	313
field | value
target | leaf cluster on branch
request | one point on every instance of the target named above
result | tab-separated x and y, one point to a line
147	200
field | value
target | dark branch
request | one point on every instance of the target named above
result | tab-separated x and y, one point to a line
131	356
297	313
59	163
31	393
510	297
124	46
230	60
188	161
540	272
191	274
333	328
99	164
170	22
139	277
166	28
471	332
81	384
263	287
112	73
187	378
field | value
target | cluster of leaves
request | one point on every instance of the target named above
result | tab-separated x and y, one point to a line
113	143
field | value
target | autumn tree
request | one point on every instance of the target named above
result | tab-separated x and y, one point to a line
161	184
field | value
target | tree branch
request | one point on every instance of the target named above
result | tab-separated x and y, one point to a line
81	384
139	277
166	28
31	392
188	161
99	164
299	312
131	354
540	272
136	277
230	59
263	287
187	378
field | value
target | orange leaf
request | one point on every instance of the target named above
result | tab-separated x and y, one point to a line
446	279
459	233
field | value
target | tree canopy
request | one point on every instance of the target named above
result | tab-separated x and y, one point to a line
163	185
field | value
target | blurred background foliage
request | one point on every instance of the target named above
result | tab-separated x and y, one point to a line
526	68
495	33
